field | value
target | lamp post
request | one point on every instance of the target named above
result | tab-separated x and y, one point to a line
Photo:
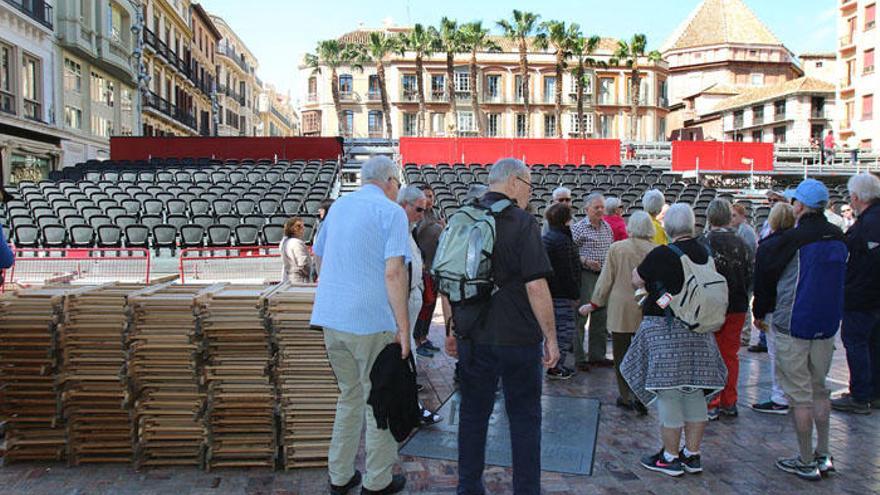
143	78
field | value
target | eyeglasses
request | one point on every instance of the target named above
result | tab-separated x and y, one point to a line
564	200
524	181
419	209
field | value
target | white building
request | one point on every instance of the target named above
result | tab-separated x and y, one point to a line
791	112
859	86
30	143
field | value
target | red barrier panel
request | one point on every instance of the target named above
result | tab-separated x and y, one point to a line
235	265
721	156
223	148
79	266
487	150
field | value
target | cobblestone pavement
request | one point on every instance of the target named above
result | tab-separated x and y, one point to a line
738	454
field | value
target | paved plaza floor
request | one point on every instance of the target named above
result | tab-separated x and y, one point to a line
738	454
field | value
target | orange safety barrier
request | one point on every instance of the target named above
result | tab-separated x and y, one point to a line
260	264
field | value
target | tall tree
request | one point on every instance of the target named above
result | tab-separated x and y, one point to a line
334	54
630	54
475	39
581	49
423	42
519	28
451	43
562	38
379	48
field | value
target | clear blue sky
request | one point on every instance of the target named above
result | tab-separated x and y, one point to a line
279	32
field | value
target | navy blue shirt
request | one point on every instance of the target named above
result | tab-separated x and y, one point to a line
6	256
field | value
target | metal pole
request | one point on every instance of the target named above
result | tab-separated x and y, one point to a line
142	77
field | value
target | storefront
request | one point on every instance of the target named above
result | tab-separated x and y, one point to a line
27	155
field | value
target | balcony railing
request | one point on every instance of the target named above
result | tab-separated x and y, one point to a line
346	95
778	116
409	95
490	98
230	52
846	40
37	10
818	113
283	118
757	119
165	107
438	96
373	95
313	97
738	122
463	95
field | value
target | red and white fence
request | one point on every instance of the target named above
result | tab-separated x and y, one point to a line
238	265
37	266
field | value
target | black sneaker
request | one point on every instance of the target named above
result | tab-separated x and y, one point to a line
713	413
398	482
730	412
342	490
559	373
794	465
690	464
846	403
639	407
757	348
770	407
624	404
430	345
658	463
825	463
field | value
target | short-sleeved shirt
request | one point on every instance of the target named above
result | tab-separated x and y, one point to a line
361	232
519	258
662	272
592	242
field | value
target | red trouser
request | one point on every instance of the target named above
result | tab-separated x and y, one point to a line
728	344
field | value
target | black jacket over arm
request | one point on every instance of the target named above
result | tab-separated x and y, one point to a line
393	395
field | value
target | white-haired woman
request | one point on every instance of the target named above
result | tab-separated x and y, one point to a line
615	290
654	203
666	361
614	218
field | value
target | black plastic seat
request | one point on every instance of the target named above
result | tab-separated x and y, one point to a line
272	234
82	236
153	207
204	220
247	235
219	236
137	236
199	207
165	236
230	221
192	235
177	220
109	236
222	207
54	236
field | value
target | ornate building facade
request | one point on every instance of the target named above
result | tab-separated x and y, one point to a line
237	86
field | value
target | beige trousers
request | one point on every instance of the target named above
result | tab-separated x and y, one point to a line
352	357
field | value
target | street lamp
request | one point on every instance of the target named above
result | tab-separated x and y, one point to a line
143	78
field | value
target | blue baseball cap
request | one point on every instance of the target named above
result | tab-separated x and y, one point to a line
810	192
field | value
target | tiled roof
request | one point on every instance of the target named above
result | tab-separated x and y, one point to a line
765	93
720	22
817	55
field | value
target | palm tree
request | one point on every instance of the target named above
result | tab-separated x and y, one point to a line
451	43
476	38
629	54
423	42
334	54
518	29
379	47
562	38
581	49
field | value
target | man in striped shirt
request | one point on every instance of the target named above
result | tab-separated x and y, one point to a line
593	237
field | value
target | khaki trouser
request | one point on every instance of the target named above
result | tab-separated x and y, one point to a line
352	357
598	329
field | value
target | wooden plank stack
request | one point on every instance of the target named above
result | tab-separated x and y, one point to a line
163	380
240	413
307	388
93	393
28	367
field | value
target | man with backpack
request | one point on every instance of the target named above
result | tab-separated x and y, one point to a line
492	267
802	285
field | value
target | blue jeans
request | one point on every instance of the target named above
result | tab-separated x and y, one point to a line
861	338
521	373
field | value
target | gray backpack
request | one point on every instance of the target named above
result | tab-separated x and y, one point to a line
463	264
702	302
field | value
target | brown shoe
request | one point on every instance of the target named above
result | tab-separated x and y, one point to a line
602	363
582	367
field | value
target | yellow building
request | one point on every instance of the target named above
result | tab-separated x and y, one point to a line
276	114
237	87
606	101
168	106
205	38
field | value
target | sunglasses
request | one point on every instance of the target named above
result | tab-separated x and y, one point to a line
564	200
523	181
419	209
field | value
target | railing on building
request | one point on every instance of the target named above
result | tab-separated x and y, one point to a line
37	10
165	107
33	110
372	95
283	118
313	97
439	96
230	52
